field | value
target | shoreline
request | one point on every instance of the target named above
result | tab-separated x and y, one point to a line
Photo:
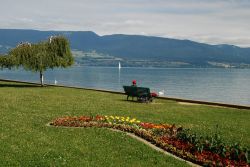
166	98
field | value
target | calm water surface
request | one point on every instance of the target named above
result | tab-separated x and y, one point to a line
216	85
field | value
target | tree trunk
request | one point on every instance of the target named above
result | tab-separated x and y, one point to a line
41	78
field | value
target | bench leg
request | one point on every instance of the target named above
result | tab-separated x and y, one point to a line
142	99
151	99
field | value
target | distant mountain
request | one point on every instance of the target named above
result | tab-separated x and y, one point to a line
136	50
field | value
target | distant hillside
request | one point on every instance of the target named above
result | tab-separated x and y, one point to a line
135	50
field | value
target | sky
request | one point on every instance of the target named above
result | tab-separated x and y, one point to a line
208	21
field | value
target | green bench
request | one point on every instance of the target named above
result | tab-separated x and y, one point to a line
141	93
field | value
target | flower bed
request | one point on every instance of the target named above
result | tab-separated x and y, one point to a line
206	151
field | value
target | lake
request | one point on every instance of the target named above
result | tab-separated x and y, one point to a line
207	84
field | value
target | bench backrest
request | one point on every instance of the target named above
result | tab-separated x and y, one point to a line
136	91
143	91
130	90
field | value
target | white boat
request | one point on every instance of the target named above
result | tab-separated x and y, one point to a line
119	66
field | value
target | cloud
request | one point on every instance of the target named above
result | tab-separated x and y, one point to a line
211	21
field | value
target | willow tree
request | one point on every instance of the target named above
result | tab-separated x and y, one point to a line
41	56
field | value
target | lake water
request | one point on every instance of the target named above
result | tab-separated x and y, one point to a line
208	84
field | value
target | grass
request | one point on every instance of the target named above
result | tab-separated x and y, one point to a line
27	141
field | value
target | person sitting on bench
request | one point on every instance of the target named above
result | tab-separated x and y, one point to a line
142	93
153	94
134	83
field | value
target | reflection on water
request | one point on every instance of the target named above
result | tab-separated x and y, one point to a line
119	76
218	85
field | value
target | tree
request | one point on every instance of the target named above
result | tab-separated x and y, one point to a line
39	57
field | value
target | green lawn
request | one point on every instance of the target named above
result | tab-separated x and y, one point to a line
25	139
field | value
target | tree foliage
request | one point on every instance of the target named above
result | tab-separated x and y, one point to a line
39	57
52	53
6	61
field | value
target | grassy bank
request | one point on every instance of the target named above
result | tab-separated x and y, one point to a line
27	141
